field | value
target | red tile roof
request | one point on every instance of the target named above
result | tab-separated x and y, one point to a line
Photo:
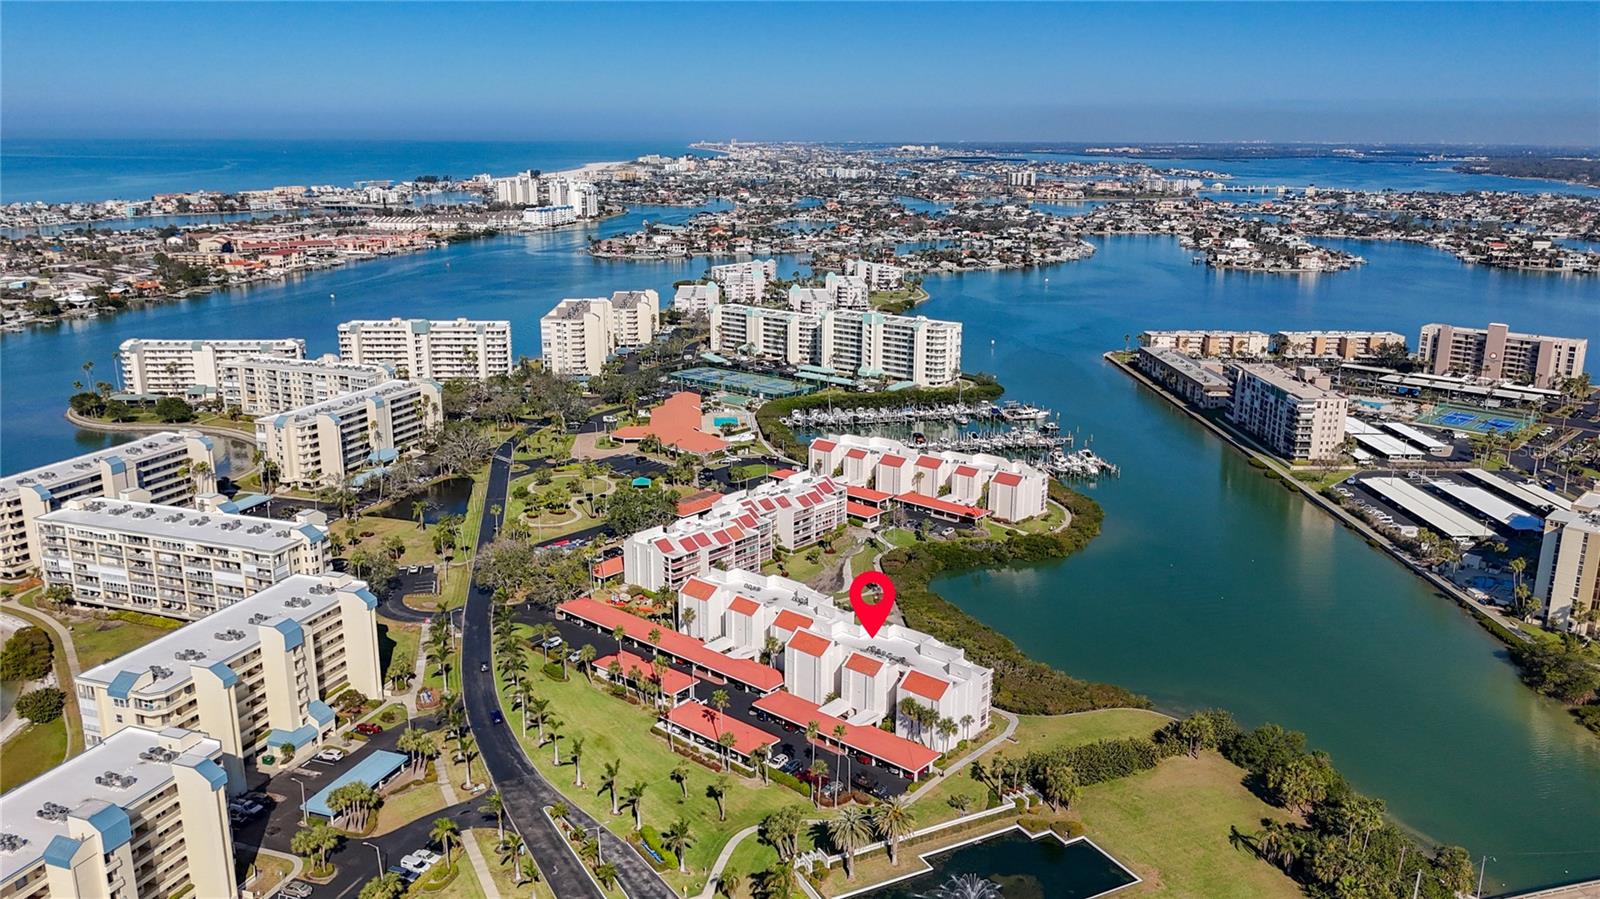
923	501
929	462
608	567
925	685
1008	479
857	453
781	474
711	724
676	423
699	589
892	461
966	471
862	510
809	643
696	503
879	744
674	644
826	446
637	669
863	665
790	620
867	494
744	605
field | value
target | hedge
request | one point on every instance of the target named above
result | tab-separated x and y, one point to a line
1021	684
653	840
41	706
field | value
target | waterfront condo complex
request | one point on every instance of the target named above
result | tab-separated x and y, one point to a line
877	275
831	661
141	815
167	468
739	530
1201	382
170	561
1497	353
1005	488
262	385
1208	343
696	299
326	441
1295	414
579	335
253	675
744	282
1567	581
1344	345
191	367
915	350
437	350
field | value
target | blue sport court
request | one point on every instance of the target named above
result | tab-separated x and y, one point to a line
1481	420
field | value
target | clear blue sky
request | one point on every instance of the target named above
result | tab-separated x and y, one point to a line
1474	72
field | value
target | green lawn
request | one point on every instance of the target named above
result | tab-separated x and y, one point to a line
1171	824
488	840
899	536
101	641
862	560
616	730
396	637
416	801
32	751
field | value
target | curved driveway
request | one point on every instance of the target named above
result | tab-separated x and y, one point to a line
524	789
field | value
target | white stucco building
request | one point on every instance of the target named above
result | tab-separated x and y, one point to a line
323	442
191	367
435	350
854	343
579	335
262	385
1009	489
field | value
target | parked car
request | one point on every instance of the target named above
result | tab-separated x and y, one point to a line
247	807
295	889
404	875
330	755
420	861
551	643
861	782
368	728
832	789
778	761
879	791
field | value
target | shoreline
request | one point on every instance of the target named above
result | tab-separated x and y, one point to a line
1489	618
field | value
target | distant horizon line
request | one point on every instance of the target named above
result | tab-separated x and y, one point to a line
984	142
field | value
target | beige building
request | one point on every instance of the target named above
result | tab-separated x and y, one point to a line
263	385
878	275
1567	581
1344	345
853	343
170	561
696	299
253	676
1207	344
1499	354
1296	416
184	367
167	468
744	282
1201	383
142	815
324	442
579	335
434	350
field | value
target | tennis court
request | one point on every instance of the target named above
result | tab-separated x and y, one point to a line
1484	421
748	383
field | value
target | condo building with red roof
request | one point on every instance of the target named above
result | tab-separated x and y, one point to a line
828	659
739	530
950	485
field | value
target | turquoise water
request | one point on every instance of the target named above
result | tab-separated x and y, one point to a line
1210	585
59	171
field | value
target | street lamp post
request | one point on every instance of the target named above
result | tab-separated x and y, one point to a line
379	851
303	821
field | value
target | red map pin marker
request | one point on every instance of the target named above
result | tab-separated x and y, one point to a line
872	615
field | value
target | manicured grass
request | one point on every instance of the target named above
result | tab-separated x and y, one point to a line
416	801
501	872
32	751
99	641
464	885
396	637
418	541
862	560
1170	824
899	536
798	566
616	730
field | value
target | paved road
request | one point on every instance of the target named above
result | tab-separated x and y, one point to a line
525	791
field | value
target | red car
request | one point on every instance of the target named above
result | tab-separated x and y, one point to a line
368	728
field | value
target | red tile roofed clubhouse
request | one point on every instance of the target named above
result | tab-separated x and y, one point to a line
889	751
676	423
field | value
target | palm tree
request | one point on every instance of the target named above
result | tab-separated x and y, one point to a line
819	770
676	838
495	510
575	749
812	730
728	884
726	741
446	832
467	747
606	874
387	885
314	843
718	789
539	713
680	776
633	798
586	660
850	830
555	725
417	508
609	781
496	803
511	852
893	819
